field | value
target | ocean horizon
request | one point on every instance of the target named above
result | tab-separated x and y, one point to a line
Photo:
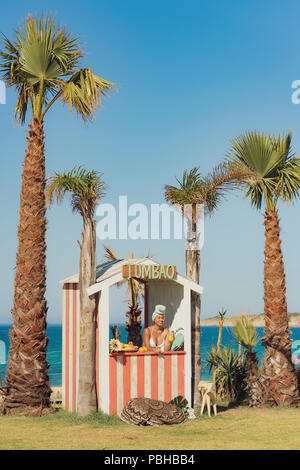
209	336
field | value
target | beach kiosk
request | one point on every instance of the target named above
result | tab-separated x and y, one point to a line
122	376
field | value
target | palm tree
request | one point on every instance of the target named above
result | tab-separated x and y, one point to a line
85	189
42	65
277	176
222	314
246	336
134	291
197	191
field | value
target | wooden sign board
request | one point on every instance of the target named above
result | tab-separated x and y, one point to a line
149	271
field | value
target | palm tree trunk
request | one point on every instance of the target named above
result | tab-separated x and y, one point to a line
27	381
87	399
253	383
134	326
192	262
279	373
221	324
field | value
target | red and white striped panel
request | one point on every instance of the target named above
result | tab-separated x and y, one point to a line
70	345
150	375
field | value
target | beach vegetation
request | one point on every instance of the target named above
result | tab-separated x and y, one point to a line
43	65
246	336
85	190
203	195
274	175
222	314
228	369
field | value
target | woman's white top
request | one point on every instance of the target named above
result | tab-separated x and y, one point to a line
153	345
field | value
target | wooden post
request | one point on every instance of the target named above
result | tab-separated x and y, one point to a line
188	345
146	305
103	359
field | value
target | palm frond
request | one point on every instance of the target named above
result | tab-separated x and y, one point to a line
214	187
109	254
85	189
228	371
208	190
245	333
43	63
222	313
149	254
83	91
275	170
135	289
191	182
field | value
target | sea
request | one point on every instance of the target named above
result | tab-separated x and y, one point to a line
209	336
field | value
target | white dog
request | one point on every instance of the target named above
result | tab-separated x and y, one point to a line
208	392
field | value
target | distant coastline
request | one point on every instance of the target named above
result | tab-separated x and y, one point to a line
257	320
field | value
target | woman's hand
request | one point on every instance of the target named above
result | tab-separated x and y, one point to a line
168	343
171	336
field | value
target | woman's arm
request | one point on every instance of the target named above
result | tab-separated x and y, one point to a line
168	343
146	338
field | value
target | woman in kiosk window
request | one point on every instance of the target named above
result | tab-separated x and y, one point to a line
156	337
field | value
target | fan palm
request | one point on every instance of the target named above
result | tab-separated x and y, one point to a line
277	177
42	64
246	336
85	189
134	291
205	193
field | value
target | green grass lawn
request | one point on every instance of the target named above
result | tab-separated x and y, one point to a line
235	428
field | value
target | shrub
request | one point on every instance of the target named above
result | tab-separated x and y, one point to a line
246	336
228	373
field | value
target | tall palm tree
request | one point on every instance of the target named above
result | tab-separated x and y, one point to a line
195	190
85	189
246	336
134	291
277	176
42	65
222	314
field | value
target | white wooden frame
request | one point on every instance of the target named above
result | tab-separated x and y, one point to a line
102	288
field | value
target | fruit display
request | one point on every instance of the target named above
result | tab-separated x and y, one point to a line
116	346
129	347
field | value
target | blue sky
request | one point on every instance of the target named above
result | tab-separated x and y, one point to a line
190	76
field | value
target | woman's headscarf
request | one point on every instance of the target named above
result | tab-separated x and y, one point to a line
159	310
